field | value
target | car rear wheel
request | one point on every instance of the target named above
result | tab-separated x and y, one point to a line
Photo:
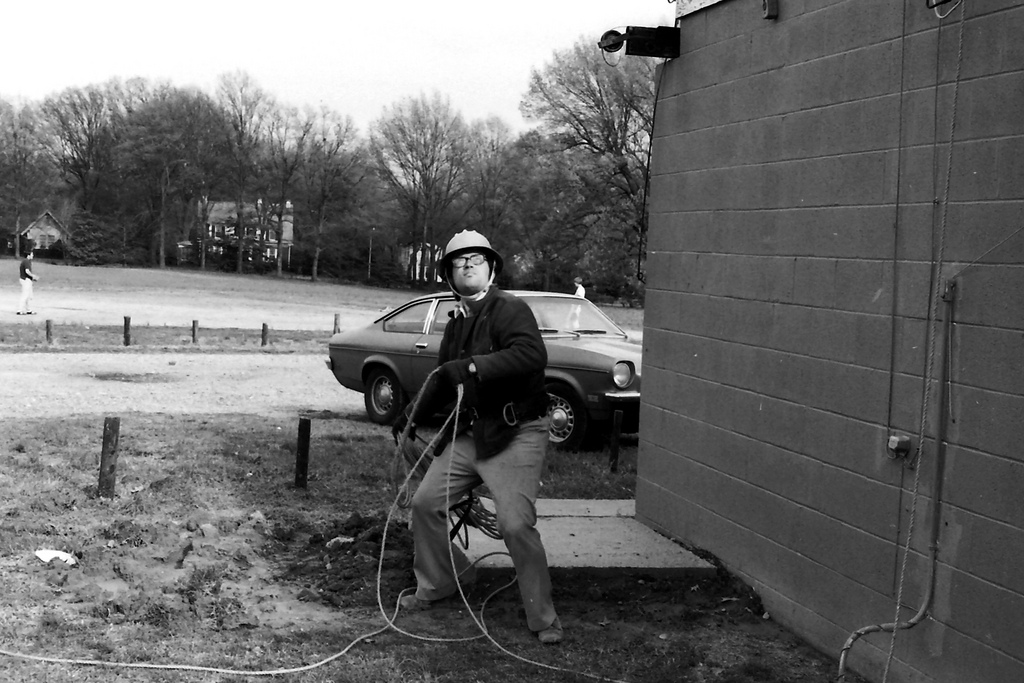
568	415
383	396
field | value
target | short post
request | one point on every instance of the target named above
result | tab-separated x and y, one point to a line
613	452
337	323
195	331
263	336
108	456
127	330
302	454
49	331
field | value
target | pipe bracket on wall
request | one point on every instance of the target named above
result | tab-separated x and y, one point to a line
898	446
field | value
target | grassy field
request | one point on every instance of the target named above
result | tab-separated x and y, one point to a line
89	304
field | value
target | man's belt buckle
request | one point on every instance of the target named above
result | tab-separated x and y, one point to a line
508	413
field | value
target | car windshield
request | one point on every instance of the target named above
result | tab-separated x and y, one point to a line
576	316
555	315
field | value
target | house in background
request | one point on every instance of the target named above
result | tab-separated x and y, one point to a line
836	269
260	230
46	234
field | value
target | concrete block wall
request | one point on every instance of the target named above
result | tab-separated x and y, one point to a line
795	171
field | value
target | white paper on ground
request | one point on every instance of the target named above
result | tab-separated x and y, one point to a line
48	555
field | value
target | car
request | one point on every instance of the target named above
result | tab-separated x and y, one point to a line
593	367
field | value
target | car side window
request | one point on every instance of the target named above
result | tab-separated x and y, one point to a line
441	318
411	320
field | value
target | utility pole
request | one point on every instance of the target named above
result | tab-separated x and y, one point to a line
369	256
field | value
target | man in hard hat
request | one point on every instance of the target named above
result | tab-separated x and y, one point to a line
493	349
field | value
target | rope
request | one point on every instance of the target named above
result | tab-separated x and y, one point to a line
470	511
484	633
932	331
187	667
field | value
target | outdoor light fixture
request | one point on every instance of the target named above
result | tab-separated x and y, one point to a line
662	41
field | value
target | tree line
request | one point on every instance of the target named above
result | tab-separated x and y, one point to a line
133	168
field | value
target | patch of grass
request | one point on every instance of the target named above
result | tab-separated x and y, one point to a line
624	316
588	475
31	337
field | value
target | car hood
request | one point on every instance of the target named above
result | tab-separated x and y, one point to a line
613	348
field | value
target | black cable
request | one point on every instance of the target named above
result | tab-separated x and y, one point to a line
641	250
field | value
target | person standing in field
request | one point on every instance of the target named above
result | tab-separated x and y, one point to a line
27	278
492	348
574	314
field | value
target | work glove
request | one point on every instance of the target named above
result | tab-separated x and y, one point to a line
398	427
455	372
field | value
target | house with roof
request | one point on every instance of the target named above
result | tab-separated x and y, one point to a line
44	234
259	235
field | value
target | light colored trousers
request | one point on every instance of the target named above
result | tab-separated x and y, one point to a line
513	477
26	296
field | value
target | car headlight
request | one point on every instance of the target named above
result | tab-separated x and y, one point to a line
623	373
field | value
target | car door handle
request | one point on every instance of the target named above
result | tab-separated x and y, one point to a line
421	345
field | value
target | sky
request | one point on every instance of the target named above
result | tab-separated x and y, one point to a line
356	57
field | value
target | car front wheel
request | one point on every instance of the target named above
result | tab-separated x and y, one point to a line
568	417
383	396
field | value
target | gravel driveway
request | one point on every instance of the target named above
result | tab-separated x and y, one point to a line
112	384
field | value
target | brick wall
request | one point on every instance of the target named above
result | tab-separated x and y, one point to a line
793	229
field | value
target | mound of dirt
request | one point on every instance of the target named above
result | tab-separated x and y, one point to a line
340	563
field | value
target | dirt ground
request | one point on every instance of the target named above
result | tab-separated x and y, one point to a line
172	383
266	569
146	561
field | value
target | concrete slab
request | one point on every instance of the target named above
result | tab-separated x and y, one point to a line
594	535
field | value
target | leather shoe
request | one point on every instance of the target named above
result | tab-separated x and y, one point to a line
552	634
410	603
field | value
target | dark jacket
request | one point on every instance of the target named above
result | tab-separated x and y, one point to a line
503	341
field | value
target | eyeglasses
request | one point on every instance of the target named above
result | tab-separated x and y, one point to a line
472	260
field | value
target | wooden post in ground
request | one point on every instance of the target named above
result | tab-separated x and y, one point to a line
263	336
108	456
613	452
302	454
337	323
127	330
195	331
49	331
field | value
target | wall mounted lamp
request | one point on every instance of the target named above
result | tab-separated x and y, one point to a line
641	41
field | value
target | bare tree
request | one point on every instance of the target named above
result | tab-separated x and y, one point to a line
246	107
421	151
83	131
288	133
492	189
168	159
608	111
330	173
24	170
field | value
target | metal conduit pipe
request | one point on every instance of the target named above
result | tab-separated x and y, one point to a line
939	470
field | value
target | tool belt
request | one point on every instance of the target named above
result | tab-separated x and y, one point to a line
513	412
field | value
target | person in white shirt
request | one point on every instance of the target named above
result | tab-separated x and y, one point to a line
580	291
27	278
